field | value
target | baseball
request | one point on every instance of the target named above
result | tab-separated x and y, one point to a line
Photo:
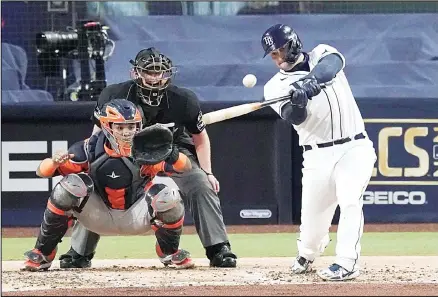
249	80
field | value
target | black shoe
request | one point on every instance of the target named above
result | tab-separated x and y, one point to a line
72	259
220	255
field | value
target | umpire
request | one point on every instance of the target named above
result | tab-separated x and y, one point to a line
150	89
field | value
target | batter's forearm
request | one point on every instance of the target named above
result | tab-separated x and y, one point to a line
327	68
293	114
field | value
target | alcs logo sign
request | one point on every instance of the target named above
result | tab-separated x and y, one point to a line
407	151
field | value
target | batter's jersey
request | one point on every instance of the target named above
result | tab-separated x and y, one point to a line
333	114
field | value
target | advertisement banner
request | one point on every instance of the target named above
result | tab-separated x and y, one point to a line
404	184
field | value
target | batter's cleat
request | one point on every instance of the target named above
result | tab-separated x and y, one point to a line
224	258
72	259
36	261
336	272
181	260
301	265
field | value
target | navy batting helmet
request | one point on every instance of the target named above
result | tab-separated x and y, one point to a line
279	36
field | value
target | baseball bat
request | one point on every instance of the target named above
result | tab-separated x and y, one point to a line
238	110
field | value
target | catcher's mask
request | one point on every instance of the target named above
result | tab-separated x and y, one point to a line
153	144
152	72
120	121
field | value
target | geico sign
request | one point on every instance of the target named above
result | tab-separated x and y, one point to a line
20	148
396	197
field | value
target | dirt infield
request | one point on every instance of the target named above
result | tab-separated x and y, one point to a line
380	276
254	277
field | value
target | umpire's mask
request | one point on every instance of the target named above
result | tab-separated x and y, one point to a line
152	72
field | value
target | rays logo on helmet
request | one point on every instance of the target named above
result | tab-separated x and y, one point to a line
268	40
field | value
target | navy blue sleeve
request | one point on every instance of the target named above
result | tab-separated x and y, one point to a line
327	68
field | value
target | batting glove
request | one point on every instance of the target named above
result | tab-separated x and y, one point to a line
311	86
298	98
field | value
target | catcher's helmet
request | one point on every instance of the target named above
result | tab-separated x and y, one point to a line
120	111
279	36
152	72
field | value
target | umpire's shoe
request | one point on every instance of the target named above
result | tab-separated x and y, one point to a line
220	255
301	265
72	259
336	272
36	261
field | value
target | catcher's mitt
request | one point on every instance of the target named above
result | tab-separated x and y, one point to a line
152	145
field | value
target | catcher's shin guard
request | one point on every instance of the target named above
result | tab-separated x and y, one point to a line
167	240
52	230
67	195
167	247
167	212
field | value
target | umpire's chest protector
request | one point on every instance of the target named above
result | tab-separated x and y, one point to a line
114	177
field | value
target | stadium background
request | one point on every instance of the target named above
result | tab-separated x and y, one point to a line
391	51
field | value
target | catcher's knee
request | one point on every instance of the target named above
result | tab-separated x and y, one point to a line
70	192
167	205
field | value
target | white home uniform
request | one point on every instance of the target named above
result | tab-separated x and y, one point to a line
338	162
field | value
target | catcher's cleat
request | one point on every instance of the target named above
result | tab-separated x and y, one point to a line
72	259
336	272
36	261
181	260
224	258
301	265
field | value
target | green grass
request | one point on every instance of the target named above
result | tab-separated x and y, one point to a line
244	245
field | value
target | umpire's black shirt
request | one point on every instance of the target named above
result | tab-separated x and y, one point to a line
178	105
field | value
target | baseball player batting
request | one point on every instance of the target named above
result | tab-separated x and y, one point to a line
107	186
338	155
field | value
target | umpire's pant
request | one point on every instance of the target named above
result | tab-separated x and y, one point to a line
198	195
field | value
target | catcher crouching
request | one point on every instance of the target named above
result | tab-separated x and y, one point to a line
107	186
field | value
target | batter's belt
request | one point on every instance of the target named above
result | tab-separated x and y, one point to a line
307	147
